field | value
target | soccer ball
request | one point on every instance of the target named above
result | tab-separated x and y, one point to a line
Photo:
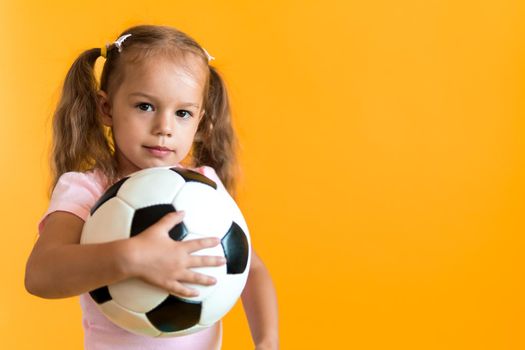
136	202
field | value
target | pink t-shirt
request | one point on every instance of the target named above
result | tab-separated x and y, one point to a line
76	193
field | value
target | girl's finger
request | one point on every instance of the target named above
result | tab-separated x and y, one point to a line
201	243
178	288
171	219
205	260
198	278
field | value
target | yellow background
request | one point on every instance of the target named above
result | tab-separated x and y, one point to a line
383	156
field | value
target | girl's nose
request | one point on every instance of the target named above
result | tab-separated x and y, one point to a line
163	125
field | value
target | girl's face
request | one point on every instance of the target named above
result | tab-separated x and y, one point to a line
155	112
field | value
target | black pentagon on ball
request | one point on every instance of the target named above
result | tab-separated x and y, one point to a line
110	193
193	176
101	295
147	216
236	249
175	314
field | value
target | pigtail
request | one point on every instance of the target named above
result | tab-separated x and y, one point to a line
79	139
215	142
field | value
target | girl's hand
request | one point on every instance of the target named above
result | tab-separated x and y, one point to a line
159	260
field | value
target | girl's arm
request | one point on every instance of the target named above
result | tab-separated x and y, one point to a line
59	266
260	304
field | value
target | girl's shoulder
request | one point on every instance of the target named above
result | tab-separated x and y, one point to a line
75	192
93	180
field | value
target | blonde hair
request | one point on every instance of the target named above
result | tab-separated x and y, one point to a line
82	143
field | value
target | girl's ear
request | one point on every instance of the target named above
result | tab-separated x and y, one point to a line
104	108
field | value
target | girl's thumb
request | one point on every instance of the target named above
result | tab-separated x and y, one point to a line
174	216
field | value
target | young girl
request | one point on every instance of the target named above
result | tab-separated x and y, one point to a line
160	103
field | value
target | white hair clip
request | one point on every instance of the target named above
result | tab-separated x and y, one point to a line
119	41
210	57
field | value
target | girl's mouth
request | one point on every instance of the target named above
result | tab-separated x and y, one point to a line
158	151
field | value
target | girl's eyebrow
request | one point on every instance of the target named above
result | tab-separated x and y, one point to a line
183	104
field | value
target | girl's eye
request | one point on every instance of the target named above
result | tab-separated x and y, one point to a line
183	114
140	105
